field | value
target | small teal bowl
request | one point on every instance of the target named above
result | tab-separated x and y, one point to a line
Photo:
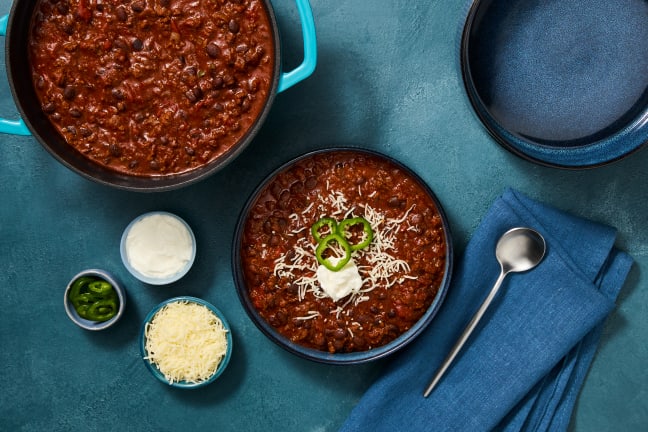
95	325
184	384
154	280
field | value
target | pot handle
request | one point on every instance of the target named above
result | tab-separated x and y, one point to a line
307	67
13	127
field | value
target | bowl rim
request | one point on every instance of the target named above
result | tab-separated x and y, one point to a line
148	279
154	369
322	356
89	324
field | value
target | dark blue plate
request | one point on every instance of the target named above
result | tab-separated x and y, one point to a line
559	82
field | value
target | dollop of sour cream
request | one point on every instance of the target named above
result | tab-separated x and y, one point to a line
159	246
341	283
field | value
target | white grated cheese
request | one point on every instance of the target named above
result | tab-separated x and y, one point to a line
383	269
186	341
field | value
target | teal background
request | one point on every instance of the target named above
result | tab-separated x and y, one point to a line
387	79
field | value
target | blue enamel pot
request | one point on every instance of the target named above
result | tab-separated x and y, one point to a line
16	27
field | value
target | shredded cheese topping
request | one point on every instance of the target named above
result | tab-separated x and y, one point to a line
186	341
383	268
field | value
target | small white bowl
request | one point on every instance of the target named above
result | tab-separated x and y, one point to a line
152	280
95	325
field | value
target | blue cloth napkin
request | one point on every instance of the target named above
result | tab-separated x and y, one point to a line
525	363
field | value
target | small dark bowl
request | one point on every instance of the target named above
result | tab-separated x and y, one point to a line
323	356
95	325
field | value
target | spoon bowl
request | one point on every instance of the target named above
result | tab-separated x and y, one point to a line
520	249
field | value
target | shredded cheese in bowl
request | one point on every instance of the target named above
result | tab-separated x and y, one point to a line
186	342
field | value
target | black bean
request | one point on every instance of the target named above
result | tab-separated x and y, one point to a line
338	344
49	108
297	187
267	227
69	92
72	130
74	112
363	319
154	165
194	95
278	319
392	328
133	163
115	150
359	341
394	202
213	50
339	333
218	82
121	44
137	44
241	48
63	8
139	117
189	151
218	107
246	104
138	6
234	26
253	84
310	183
117	93
121	13
85	132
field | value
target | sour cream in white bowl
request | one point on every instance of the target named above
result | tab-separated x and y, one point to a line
158	248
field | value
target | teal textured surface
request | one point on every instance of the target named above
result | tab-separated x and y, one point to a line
387	79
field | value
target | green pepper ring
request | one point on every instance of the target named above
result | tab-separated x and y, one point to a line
366	228
102	310
325	221
324	244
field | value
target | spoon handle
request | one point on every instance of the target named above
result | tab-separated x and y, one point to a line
465	335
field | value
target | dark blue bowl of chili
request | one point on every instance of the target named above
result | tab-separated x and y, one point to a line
399	256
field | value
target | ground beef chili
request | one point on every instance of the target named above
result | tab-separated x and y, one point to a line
279	265
152	87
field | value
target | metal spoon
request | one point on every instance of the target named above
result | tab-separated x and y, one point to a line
518	250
